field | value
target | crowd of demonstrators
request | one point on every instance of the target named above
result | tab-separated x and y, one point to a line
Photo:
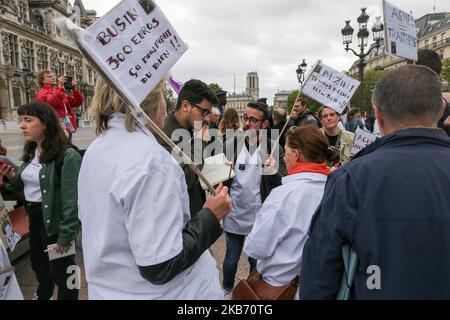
139	240
354	120
48	180
390	200
62	96
251	185
194	104
301	116
148	224
338	139
281	225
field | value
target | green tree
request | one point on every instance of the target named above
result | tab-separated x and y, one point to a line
313	105
215	87
170	99
370	79
445	73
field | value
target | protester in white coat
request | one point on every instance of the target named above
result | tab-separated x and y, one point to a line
139	241
281	226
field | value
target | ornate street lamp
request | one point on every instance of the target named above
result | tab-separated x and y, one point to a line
301	70
363	36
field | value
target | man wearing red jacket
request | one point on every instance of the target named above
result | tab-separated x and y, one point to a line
62	101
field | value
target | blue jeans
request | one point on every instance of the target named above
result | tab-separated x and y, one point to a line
235	242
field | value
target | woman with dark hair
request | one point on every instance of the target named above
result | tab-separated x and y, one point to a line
281	225
230	123
51	197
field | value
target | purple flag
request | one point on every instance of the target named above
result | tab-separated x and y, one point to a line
175	84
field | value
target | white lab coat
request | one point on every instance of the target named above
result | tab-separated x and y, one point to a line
13	292
281	227
245	193
133	204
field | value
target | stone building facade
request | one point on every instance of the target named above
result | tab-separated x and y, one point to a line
30	42
281	98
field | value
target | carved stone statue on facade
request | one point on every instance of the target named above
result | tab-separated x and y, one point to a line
6	49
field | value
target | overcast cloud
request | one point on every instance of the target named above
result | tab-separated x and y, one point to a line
233	37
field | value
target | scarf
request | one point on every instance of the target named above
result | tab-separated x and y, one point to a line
309	167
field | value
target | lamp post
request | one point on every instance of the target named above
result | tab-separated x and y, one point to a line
301	70
363	37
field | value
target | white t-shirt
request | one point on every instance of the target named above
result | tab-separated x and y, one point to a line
133	204
30	179
281	227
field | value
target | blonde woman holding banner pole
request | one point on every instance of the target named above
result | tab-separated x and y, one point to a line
139	241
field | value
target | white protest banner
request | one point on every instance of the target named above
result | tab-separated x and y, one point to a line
132	47
362	140
400	32
330	87
135	45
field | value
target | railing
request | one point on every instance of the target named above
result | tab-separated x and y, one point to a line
436	44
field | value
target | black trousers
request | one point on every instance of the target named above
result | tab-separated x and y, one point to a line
48	273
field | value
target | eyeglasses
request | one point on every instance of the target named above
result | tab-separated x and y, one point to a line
252	120
205	112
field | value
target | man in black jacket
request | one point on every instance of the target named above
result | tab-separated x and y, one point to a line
390	203
301	116
194	105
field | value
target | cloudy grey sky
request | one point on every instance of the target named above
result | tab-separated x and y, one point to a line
233	37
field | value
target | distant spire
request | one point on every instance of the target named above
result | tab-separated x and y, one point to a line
434	8
79	4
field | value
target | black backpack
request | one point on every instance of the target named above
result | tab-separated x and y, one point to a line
60	159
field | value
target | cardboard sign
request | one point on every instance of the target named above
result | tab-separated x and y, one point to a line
362	140
400	32
330	87
135	46
7	234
